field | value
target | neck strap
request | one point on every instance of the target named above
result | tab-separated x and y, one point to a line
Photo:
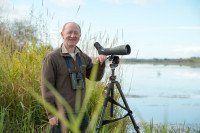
68	64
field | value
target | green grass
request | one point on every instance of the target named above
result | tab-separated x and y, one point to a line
19	72
20	98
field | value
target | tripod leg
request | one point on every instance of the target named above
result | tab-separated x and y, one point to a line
126	105
99	126
111	104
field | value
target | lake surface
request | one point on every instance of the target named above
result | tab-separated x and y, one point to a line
164	94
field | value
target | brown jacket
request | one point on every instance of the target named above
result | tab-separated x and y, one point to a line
55	71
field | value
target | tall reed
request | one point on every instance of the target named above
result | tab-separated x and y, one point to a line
19	72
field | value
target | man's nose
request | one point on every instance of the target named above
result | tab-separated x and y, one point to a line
73	34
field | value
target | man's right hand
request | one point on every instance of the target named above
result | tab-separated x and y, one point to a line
53	121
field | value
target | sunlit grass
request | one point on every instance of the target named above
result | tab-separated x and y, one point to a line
22	105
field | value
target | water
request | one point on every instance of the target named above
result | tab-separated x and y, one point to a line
164	94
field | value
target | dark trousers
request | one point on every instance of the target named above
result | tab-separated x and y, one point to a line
83	127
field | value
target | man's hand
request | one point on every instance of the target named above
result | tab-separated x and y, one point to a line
53	121
101	59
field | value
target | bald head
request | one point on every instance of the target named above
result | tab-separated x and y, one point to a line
71	23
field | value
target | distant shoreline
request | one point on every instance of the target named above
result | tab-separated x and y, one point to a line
193	61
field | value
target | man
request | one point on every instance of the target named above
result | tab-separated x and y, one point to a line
65	67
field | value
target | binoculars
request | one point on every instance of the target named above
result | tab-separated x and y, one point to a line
77	81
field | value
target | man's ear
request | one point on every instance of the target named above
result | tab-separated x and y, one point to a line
61	33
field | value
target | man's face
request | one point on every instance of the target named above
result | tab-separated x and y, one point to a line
71	35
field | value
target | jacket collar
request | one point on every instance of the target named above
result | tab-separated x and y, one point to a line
64	51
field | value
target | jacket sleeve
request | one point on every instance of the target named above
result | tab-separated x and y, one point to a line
100	71
96	69
48	77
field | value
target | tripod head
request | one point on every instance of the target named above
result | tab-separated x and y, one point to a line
115	61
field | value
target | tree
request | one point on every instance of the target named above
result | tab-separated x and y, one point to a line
23	32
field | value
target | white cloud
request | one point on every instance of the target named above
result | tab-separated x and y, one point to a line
136	2
113	1
144	2
12	12
68	3
3	2
188	27
180	28
5	6
188	49
192	51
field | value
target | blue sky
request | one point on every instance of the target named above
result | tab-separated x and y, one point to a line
153	28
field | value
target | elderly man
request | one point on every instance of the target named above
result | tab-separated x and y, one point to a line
66	69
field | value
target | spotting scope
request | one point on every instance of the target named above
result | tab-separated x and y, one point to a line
118	50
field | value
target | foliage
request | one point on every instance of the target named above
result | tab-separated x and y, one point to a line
192	62
19	72
6	39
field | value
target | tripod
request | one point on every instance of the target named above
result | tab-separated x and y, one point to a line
109	98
